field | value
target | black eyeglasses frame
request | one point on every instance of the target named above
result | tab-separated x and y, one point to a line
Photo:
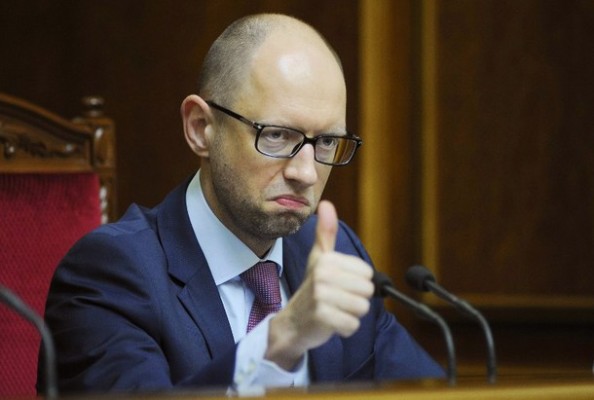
306	140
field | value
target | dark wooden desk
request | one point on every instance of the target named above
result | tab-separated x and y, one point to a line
543	386
466	388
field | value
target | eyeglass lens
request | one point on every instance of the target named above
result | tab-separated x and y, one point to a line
284	142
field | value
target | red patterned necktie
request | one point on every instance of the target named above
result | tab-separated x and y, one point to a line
262	279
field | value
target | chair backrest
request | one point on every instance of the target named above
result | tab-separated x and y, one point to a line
57	182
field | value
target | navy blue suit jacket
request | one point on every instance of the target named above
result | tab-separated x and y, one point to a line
133	306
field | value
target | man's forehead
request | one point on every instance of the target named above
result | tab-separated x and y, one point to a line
295	60
296	65
294	79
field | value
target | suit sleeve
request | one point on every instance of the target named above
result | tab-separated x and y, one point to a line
105	310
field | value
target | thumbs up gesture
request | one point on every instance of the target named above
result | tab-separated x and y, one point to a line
333	297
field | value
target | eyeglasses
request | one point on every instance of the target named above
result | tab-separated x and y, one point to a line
282	142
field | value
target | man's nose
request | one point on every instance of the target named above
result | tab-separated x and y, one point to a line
302	166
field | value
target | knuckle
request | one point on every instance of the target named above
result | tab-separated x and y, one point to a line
360	307
365	306
349	327
368	289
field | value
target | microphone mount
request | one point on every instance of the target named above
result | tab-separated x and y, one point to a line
420	278
384	287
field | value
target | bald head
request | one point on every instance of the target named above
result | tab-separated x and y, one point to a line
236	52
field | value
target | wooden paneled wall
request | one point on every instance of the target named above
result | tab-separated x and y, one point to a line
498	185
514	146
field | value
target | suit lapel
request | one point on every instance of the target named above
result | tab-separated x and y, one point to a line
200	296
187	264
326	361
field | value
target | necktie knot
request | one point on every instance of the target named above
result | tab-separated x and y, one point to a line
262	280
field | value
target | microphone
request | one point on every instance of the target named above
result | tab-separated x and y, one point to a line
16	304
384	287
420	278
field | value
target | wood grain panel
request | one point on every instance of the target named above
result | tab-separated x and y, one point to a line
143	58
509	216
387	201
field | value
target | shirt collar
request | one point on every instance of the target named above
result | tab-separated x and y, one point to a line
226	255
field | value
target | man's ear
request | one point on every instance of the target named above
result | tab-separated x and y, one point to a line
197	123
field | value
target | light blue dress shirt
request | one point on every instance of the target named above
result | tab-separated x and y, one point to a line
227	258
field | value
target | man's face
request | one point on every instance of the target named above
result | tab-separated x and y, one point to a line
262	198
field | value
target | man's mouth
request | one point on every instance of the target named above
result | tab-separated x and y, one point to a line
291	201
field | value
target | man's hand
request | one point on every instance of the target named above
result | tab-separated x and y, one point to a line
333	297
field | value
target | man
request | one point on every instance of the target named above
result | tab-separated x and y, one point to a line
164	298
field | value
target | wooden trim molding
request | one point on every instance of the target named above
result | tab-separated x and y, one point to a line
33	139
428	142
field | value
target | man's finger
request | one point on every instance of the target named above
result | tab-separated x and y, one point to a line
327	227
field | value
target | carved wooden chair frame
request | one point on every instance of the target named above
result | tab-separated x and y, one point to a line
34	140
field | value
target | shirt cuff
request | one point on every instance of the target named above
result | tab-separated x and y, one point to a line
252	371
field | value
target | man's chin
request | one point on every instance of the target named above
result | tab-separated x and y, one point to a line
286	223
298	216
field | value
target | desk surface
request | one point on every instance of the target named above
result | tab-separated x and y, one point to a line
425	390
508	387
541	386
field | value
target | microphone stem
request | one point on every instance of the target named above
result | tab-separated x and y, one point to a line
425	311
491	358
17	305
466	308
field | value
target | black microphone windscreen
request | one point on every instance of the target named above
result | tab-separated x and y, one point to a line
417	277
380	280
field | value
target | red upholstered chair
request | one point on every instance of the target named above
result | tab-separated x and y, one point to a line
56	183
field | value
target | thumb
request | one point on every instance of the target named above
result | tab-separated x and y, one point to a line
326	227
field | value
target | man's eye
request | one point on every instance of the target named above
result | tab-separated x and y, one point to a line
327	142
275	134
